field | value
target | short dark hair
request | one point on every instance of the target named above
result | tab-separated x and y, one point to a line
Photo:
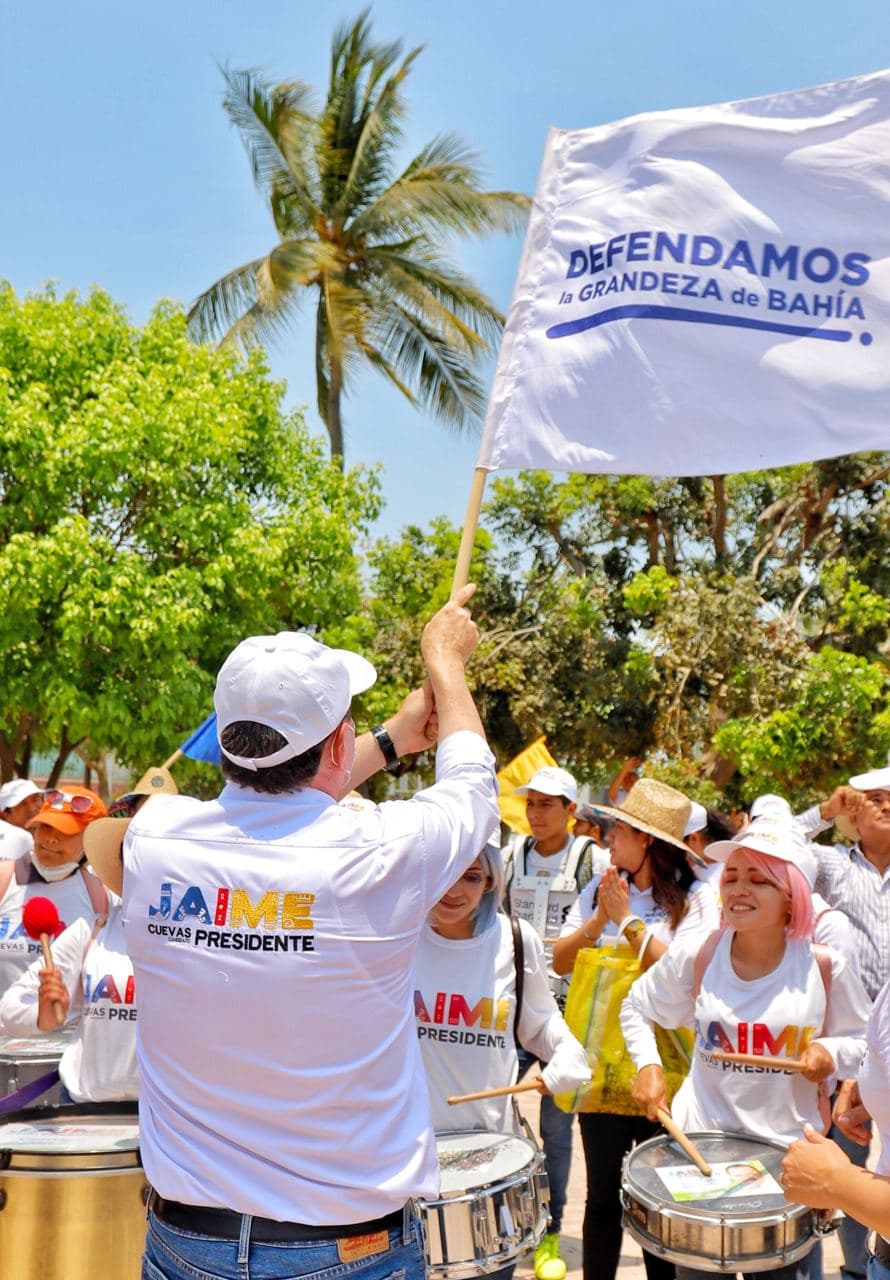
247	738
719	826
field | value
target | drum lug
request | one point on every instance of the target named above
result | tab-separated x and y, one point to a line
481	1230
5	1158
3	1198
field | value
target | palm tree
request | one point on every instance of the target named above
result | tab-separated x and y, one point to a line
368	240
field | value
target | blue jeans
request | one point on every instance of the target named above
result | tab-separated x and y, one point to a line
877	1270
852	1234
173	1254
557	1128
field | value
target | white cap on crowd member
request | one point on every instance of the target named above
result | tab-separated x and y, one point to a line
770	805
14	792
551	781
773	833
874	780
698	819
291	683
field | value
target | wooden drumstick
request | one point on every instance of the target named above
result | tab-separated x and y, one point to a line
525	1087
755	1060
667	1120
48	964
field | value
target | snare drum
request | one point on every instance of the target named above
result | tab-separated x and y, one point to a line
72	1193
493	1203
25	1059
736	1220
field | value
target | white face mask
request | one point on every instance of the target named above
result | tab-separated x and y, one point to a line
51	874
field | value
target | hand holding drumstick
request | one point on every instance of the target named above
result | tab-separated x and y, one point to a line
650	1092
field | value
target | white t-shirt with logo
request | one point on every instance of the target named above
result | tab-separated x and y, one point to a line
72	901
99	1065
777	1015
465	1007
874	1075
273	940
701	918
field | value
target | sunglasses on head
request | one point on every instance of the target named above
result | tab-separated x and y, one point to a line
63	801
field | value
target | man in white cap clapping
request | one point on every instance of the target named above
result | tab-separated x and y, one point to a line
284	1114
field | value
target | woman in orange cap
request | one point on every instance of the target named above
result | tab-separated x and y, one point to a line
55	869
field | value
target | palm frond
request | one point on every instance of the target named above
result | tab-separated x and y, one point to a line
277	128
214	311
444	380
439	291
439	191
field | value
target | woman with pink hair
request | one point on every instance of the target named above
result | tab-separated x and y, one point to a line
756	986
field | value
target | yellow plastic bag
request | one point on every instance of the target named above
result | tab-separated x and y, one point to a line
601	979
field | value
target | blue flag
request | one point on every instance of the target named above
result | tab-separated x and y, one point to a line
203	744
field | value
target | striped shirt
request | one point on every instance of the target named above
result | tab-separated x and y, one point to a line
855	886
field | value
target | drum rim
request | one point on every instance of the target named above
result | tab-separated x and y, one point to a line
787	1212
34	1161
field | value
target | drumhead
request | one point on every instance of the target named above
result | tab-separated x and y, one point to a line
745	1178
102	1135
476	1158
19	1048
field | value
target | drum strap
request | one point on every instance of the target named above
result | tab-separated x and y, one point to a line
519	965
25	1096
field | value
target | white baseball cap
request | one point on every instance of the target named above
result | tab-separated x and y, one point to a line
551	781
291	683
874	780
773	833
14	792
698	819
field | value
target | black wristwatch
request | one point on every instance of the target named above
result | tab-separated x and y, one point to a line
388	747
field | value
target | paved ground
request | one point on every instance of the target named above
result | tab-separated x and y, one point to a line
631	1259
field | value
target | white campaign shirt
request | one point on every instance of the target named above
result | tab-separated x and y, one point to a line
465	1008
874	1075
15	842
99	1065
273	940
776	1016
701	918
72	901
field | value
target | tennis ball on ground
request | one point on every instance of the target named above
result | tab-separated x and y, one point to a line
552	1269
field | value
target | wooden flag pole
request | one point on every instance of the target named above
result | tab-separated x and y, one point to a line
468	537
171	760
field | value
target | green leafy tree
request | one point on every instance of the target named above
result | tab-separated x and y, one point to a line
365	239
156	506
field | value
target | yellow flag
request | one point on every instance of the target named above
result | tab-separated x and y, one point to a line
514	775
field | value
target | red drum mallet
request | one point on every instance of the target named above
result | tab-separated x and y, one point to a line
40	920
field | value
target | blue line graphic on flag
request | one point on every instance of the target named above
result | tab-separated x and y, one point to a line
642	311
203	744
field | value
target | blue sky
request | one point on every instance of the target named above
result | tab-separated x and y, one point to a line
120	167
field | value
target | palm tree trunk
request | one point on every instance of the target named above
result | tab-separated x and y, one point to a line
334	425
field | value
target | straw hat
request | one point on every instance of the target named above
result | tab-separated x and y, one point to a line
104	839
655	808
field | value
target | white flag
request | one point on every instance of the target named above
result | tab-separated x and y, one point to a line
704	290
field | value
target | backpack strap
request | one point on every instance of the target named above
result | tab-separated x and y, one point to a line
579	857
519	966
97	892
822	956
703	959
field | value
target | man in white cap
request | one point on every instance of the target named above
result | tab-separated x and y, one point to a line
544	873
284	1114
20	801
855	878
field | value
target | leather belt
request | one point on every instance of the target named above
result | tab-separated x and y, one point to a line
225	1224
881	1250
